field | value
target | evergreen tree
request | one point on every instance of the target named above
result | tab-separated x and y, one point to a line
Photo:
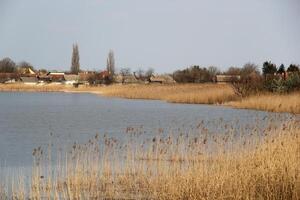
293	68
111	64
75	66
281	69
269	68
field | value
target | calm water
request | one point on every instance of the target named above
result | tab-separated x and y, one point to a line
27	120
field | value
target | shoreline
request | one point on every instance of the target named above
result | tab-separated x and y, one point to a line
262	102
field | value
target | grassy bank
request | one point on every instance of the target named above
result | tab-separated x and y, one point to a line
179	93
260	165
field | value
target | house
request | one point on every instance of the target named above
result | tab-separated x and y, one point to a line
29	80
165	79
70	79
104	75
125	78
57	77
84	77
44	78
226	78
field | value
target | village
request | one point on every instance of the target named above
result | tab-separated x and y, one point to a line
30	76
249	74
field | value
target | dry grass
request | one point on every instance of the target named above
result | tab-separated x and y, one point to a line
270	102
176	93
20	87
262	165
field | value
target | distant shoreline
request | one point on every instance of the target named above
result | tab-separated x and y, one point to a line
210	94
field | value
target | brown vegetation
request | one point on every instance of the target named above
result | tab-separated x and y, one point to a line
20	87
175	93
262	165
270	102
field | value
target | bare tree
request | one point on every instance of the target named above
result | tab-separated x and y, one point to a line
7	66
75	66
149	73
249	69
233	71
125	72
144	75
111	64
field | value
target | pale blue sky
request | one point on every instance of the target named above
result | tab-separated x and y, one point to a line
162	34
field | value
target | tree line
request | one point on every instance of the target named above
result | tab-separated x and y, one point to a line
7	65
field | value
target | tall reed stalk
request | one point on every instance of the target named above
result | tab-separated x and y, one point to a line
259	165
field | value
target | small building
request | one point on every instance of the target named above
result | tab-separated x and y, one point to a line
29	80
71	79
84	77
163	79
227	78
104	75
44	78
58	77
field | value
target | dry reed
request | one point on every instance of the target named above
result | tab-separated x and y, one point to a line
259	165
176	93
271	102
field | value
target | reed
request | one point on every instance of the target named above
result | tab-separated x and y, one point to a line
259	165
20	87
270	102
176	93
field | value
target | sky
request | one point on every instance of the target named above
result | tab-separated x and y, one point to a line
165	35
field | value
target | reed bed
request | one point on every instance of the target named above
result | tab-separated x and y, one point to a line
259	165
20	87
270	102
176	93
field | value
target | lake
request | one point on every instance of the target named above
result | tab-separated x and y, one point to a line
29	120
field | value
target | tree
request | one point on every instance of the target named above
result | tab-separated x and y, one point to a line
149	72
213	71
269	68
293	68
125	72
195	74
250	81
110	66
75	66
249	69
7	66
281	69
233	71
144	75
25	64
